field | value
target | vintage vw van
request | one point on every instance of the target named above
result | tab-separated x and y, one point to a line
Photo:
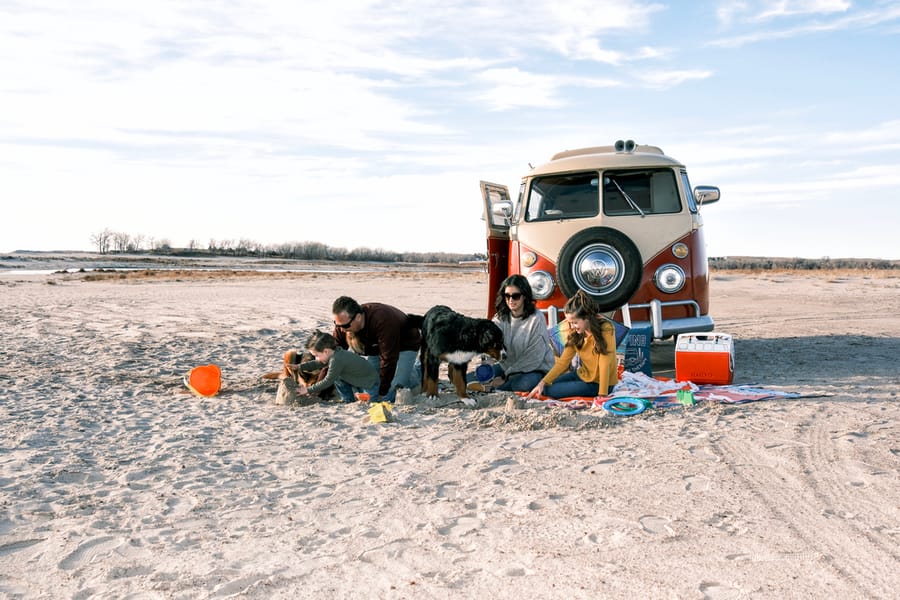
620	222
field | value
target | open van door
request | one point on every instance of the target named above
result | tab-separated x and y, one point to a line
498	212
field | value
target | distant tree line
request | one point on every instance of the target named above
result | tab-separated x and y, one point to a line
756	263
112	242
108	241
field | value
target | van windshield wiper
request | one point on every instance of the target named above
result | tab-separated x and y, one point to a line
628	199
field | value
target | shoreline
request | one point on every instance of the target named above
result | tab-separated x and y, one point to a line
211	266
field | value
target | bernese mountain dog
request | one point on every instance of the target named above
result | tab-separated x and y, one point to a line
450	336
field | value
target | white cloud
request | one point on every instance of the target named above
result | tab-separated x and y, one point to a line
788	8
800	26
513	88
886	133
729	12
667	79
573	29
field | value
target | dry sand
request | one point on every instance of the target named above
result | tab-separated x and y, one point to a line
116	484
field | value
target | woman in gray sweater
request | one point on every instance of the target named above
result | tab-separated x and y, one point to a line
528	353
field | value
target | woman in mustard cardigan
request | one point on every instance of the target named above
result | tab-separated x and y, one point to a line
593	340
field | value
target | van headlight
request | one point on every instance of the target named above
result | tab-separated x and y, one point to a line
541	284
669	278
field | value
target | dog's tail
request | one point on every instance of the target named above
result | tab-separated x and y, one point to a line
415	321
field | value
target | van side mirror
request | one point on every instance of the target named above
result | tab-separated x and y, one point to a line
502	209
706	194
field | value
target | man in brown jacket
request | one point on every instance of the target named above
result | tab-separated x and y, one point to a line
386	336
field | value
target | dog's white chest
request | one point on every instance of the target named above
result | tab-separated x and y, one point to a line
459	357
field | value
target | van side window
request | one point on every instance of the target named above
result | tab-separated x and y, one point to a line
520	203
567	196
654	191
689	192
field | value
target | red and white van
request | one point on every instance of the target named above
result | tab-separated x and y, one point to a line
620	222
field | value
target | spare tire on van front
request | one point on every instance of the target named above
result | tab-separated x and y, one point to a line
603	262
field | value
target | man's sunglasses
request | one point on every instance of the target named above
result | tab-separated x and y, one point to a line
516	296
345	325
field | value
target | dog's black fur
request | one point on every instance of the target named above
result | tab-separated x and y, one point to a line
450	336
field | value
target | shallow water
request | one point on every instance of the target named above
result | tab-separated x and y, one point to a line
48	263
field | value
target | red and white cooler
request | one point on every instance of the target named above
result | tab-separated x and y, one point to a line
704	358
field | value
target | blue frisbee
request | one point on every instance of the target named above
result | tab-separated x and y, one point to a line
625	407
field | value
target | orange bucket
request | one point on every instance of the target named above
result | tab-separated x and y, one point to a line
205	380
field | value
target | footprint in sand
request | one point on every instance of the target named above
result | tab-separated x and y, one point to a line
717	591
598	466
512	572
443	490
179	506
728	522
694	483
88	551
18	545
656	525
461	526
779	556
496	464
703	453
406	479
539	443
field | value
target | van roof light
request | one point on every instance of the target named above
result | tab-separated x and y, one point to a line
625	146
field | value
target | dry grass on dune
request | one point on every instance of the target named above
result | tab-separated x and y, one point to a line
181	274
216	274
812	273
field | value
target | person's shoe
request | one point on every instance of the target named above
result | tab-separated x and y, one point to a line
477	386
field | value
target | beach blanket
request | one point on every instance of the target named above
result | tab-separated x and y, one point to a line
664	393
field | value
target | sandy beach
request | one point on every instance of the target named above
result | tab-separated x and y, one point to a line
116	483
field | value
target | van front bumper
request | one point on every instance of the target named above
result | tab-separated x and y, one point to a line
662	328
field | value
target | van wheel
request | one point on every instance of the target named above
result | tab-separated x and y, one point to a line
603	262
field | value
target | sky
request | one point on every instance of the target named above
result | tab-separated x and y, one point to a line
369	124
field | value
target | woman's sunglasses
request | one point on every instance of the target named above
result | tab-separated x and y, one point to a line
516	296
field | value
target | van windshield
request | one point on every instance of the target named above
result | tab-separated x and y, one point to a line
564	196
644	192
